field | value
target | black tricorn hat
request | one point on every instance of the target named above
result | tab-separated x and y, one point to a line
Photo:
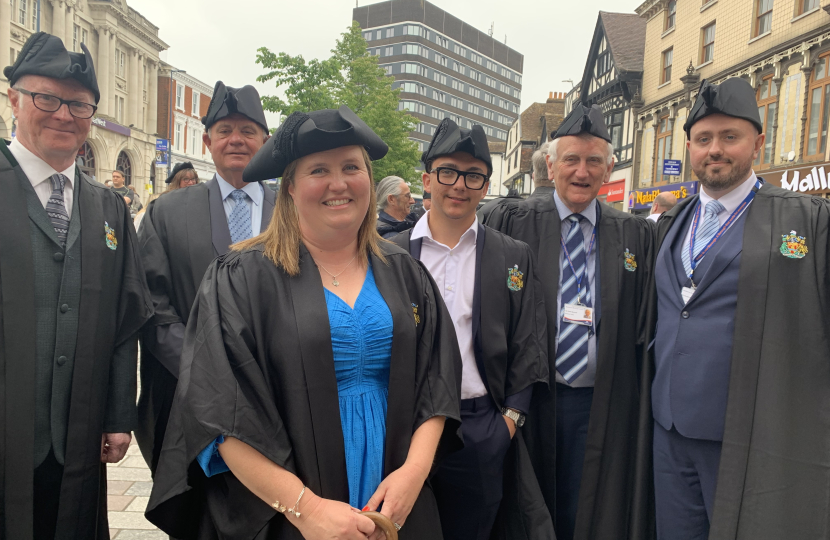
449	139
426	195
45	55
733	97
303	134
177	169
227	101
583	119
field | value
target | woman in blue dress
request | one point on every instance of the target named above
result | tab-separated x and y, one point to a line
320	373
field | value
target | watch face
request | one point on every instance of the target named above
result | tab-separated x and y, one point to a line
521	421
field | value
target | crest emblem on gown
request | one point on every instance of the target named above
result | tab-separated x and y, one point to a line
515	278
629	263
112	242
415	312
793	246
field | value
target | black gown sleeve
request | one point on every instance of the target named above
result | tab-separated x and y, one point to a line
157	267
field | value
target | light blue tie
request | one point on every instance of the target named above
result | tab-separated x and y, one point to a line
572	349
240	220
707	230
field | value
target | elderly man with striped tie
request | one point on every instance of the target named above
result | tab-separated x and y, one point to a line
72	300
585	434
182	232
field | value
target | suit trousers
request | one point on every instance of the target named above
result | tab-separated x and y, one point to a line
47	493
685	478
573	410
468	484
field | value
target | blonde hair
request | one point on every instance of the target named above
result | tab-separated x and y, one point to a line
282	238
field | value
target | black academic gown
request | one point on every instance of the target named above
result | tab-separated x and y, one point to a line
181	233
510	345
616	496
774	474
257	365
114	305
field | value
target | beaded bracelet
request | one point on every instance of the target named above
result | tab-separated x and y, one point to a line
282	509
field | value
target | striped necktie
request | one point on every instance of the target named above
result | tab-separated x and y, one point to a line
239	222
55	208
572	350
707	230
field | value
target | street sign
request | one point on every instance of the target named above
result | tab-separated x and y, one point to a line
162	145
671	167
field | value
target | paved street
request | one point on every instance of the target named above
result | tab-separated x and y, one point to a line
128	490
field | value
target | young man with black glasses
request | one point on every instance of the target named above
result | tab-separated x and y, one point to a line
488	284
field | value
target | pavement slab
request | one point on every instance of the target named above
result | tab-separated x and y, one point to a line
128	490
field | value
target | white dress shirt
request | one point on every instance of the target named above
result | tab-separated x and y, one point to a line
254	201
587	227
38	173
730	202
654	217
454	272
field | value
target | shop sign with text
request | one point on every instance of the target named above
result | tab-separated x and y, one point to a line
641	199
809	179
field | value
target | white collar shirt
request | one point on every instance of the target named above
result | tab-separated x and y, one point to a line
254	201
453	270
38	172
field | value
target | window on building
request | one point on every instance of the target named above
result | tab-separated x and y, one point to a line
179	96
119	109
664	142
390	32
707	43
818	112
367	36
35	13
665	74
120	60
455	102
806	5
767	98
671	14
615	128
76	31
23	11
195	105
412	106
763	16
12	54
603	63
475	109
388	51
84	36
378	34
192	143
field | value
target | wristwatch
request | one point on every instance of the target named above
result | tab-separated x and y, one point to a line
514	415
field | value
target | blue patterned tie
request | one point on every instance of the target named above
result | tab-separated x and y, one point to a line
55	208
240	220
706	230
572	351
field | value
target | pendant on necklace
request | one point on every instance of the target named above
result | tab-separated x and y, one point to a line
335	282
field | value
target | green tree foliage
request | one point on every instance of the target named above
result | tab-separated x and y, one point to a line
350	77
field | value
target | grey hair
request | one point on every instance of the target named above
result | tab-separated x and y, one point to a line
391	185
540	166
555	143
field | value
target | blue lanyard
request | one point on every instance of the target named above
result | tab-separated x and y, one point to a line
728	223
570	262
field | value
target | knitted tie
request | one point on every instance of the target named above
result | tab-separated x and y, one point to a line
572	351
240	220
706	230
55	208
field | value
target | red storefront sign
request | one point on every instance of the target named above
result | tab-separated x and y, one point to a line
614	191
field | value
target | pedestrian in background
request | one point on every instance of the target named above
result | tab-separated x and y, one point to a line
488	282
742	383
662	203
306	344
73	299
394	203
587	435
541	173
182	232
183	175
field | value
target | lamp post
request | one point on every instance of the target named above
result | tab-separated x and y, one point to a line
170	120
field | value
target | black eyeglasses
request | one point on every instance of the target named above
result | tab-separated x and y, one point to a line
50	103
449	177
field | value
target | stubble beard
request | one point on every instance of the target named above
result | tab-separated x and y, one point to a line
721	182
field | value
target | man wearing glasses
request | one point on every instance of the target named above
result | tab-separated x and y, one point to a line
490	289
72	299
588	434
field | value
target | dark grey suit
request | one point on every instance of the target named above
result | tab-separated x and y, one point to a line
180	235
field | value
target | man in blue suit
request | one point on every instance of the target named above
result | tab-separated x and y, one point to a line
741	355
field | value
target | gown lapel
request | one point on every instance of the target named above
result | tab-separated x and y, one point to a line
666	264
200	246
219	230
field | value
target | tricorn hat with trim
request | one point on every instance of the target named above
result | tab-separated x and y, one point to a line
45	55
449	138
303	134
583	119
227	101
733	97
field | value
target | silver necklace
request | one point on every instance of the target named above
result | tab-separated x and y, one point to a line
334	277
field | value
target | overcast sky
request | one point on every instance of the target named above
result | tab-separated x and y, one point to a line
218	39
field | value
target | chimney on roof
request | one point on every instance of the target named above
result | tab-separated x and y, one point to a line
555	96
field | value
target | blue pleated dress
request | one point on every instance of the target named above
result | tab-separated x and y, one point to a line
361	340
